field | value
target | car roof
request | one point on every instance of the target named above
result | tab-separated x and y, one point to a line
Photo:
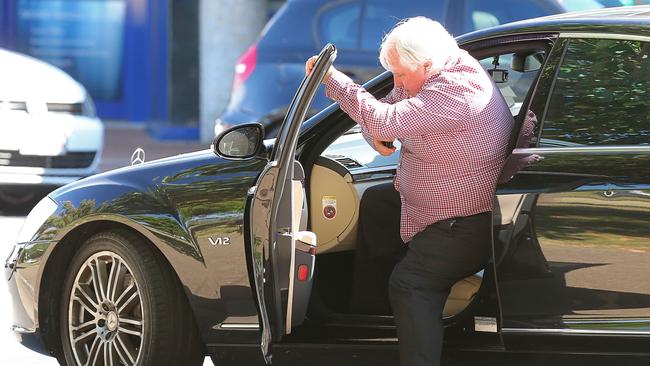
629	19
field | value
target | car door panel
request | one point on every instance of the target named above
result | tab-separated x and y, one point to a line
297	248
572	266
282	255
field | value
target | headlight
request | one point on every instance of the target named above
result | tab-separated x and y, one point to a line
88	107
37	216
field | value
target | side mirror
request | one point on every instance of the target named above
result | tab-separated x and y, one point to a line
240	142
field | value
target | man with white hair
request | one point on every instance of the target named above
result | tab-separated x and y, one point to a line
453	126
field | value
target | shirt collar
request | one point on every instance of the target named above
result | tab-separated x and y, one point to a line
451	62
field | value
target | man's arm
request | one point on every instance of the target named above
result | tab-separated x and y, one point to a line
395	95
429	111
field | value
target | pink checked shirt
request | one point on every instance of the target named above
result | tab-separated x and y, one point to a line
454	134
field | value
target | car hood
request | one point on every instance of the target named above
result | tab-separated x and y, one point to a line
143	175
25	79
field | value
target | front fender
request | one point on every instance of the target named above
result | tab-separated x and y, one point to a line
111	203
194	217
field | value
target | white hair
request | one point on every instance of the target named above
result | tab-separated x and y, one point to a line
417	40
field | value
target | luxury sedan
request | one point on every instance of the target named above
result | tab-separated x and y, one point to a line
50	136
247	256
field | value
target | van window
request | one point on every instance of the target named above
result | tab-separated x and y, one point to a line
339	24
481	14
381	16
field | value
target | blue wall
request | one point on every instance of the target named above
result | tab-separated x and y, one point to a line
117	48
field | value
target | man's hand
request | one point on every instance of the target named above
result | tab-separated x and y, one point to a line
384	148
309	65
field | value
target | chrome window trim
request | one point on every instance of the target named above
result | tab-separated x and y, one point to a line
629	149
292	264
614	36
19	329
380	169
574	332
373	179
239	326
607	321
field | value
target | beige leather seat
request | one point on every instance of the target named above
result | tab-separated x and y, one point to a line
506	207
461	295
463	292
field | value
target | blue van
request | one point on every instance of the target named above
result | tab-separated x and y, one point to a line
268	73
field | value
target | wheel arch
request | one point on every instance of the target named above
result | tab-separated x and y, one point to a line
53	277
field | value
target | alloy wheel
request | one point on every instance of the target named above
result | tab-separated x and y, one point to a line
105	319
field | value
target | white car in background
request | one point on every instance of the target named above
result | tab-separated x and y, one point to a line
49	133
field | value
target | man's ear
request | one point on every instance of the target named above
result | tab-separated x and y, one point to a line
427	66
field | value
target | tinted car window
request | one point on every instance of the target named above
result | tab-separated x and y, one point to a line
600	95
481	14
380	17
339	24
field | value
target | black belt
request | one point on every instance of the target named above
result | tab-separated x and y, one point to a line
449	224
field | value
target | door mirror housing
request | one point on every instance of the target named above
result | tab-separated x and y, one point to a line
241	142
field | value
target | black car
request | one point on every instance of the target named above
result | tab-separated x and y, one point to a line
164	262
268	73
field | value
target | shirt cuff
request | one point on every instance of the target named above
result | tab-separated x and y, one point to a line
368	138
336	85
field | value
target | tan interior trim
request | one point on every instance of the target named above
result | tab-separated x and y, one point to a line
506	208
337	194
297	204
461	295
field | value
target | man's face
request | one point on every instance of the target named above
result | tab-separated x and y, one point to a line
405	78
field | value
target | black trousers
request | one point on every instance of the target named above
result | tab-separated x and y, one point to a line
379	248
436	258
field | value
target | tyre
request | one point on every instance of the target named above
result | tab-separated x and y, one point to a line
18	201
122	306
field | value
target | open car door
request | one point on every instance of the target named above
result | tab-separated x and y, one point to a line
282	254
